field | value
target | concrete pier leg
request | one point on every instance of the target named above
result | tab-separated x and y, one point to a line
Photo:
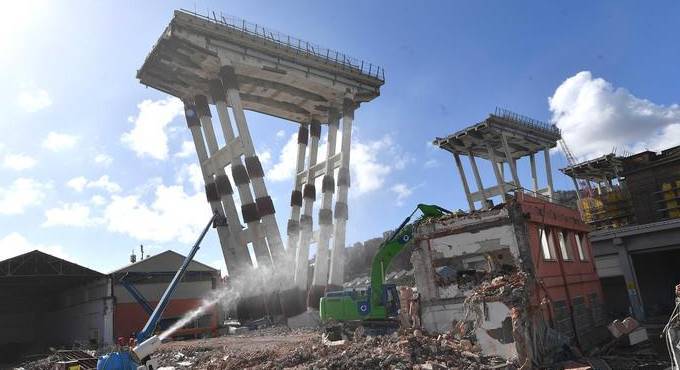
220	100
534	177
511	161
249	211
293	298
221	183
337	265
496	171
478	180
320	278
293	229
463	179
227	241
306	224
548	172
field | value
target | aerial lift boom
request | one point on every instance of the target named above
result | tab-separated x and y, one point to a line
147	343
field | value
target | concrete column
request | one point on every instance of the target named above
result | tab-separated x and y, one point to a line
222	185
320	278
631	282
511	161
295	297
308	198
478	179
265	205
463	179
341	214
240	173
227	242
496	171
293	230
578	192
534	178
548	171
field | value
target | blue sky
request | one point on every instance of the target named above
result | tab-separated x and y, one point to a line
77	181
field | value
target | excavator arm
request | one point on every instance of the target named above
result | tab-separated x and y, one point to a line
394	245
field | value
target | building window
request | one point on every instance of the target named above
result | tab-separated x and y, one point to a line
565	247
580	241
546	243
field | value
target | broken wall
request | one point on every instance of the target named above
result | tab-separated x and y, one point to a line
454	255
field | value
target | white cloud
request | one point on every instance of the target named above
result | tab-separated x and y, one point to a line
148	137
103	159
371	162
280	134
284	169
368	172
80	183
14	244
173	215
70	214
21	194
33	100
596	117
402	192
19	162
192	174
431	163
187	149
105	184
265	158
57	142
77	183
98	200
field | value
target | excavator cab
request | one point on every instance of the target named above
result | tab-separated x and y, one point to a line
391	300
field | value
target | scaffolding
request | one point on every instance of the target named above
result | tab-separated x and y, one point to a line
604	200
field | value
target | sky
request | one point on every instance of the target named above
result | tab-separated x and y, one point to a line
93	164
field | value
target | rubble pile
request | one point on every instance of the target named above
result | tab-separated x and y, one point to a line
396	351
406	351
507	288
502	287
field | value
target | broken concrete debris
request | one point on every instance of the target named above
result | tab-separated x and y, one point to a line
404	350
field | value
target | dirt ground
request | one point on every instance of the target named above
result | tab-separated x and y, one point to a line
257	350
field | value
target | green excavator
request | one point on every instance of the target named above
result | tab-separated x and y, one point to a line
378	306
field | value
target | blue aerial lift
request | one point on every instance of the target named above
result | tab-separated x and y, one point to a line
139	357
136	294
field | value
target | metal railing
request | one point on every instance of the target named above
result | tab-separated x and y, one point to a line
294	43
527	121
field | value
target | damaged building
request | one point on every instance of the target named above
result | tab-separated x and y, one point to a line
527	255
518	275
632	204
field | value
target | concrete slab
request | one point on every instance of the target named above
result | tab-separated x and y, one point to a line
278	75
